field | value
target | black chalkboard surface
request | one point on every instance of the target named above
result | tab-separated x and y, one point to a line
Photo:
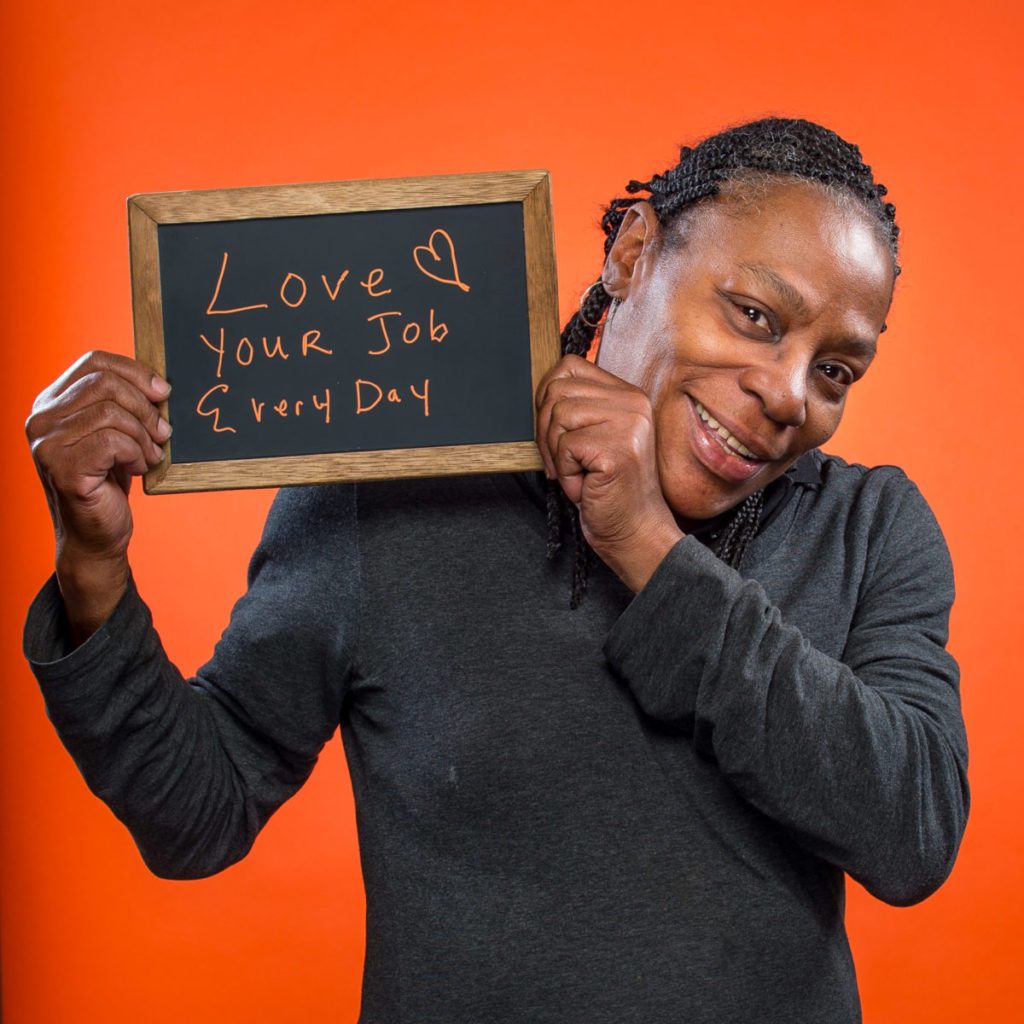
346	330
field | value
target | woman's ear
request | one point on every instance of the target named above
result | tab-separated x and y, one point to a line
637	238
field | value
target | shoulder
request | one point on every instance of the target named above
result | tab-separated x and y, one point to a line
857	493
841	479
884	508
299	512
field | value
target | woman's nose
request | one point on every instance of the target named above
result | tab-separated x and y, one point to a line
780	385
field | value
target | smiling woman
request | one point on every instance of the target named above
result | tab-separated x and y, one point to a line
642	810
746	296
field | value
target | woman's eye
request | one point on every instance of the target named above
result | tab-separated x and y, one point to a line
836	372
756	317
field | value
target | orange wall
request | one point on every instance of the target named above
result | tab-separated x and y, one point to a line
103	99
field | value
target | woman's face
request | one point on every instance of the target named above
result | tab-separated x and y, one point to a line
746	331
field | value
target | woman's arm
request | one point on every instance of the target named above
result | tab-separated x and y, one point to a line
195	768
864	759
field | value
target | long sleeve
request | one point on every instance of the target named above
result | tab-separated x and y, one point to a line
862	757
195	767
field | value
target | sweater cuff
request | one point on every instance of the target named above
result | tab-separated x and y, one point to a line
670	636
99	662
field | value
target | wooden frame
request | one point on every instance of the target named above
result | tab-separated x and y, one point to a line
146	212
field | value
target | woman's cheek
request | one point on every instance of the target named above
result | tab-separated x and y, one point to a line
822	425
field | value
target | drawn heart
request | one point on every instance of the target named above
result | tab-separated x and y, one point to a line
440	262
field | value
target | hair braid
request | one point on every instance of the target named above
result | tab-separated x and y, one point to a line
736	537
765	150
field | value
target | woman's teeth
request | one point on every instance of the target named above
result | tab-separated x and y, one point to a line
729	439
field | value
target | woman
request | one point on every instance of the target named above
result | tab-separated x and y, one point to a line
638	810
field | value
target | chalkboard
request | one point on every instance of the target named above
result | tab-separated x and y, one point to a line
346	330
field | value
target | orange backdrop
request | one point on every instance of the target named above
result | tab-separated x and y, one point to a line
107	98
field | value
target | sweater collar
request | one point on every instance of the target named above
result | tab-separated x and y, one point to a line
804	473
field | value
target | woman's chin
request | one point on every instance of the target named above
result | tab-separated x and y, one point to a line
695	505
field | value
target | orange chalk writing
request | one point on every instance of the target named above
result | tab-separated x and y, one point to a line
285	407
219	349
370	394
284	286
326	406
437	260
309	341
244	346
360	384
374	278
411	332
216	293
333	292
215	411
424	397
379	317
438	332
277	350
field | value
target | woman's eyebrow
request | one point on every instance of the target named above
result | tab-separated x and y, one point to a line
779	284
865	348
861	348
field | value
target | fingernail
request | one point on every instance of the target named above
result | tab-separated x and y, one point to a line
160	386
163	428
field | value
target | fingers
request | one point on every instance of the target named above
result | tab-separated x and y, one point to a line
587	440
97	425
110	415
151	384
91	431
93	457
576	395
572	371
108	392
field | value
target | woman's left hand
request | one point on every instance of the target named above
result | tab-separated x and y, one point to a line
596	437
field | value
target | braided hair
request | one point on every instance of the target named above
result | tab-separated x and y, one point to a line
760	151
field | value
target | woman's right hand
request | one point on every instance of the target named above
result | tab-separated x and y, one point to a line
91	431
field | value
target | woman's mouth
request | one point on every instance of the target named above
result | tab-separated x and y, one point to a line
728	439
720	450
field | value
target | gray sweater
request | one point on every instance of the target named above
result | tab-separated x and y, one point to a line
640	811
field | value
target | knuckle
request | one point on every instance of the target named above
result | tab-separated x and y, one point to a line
96	357
552	391
33	425
87	383
637	445
40	449
105	410
85	363
640	423
559	415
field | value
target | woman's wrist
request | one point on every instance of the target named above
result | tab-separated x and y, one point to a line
91	589
636	560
